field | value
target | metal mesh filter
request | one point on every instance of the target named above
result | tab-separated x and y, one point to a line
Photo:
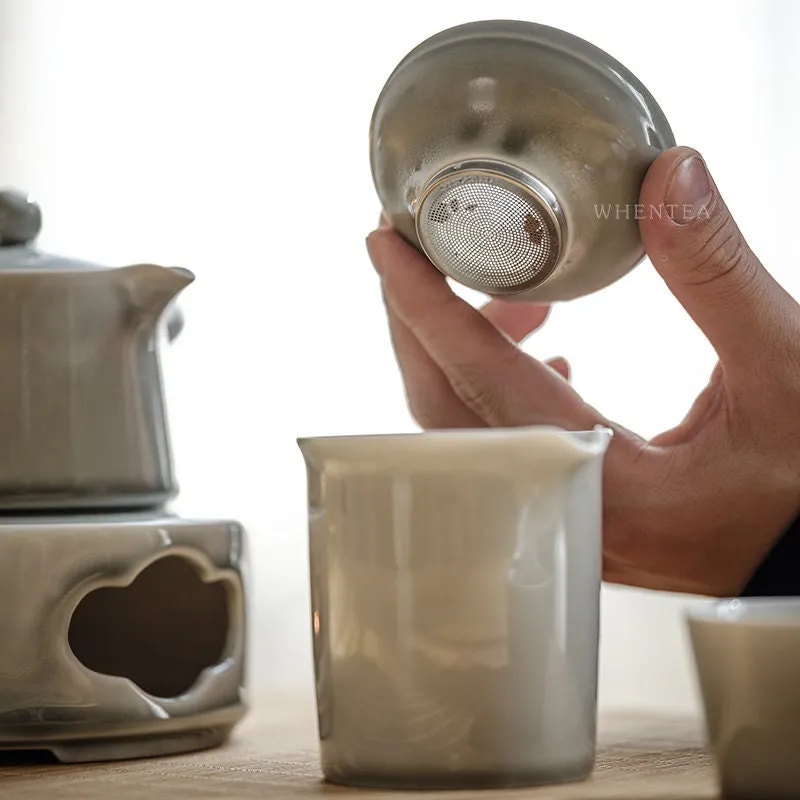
488	232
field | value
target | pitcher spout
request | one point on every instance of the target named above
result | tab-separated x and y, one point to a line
595	441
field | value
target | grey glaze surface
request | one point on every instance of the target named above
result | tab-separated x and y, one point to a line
21	224
455	582
747	654
82	416
76	647
547	116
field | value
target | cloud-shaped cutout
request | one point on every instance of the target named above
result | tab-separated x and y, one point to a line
161	631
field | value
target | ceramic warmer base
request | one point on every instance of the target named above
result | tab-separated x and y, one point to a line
192	733
120	636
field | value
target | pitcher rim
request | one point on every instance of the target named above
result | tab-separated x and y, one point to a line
604	432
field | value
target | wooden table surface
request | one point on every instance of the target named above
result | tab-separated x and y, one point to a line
273	754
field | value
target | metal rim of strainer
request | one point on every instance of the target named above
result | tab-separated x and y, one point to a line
527	187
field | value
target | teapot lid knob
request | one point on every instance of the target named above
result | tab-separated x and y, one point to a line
20	218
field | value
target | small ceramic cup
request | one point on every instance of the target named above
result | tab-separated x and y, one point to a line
455	582
747	654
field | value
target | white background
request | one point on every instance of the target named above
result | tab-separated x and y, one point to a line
230	137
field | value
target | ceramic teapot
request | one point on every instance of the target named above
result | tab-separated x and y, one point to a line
82	416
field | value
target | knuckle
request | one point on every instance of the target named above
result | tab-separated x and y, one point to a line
722	262
426	415
480	388
476	391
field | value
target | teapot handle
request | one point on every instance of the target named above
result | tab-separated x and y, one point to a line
175	322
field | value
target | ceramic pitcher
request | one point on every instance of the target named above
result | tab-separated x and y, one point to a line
455	582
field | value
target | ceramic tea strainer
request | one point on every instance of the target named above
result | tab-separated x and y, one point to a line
512	155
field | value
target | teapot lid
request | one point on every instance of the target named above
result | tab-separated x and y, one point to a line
20	225
20	218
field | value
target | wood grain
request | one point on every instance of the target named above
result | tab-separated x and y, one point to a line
273	754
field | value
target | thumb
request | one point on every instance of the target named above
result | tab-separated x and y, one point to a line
700	253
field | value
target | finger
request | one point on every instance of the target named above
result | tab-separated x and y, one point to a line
559	365
489	374
705	261
515	320
430	398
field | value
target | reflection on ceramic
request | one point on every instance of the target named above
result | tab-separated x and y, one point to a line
82	416
126	637
512	154
455	584
747	654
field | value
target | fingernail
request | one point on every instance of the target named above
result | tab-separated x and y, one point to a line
560	361
689	194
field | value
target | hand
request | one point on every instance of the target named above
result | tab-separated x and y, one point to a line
695	509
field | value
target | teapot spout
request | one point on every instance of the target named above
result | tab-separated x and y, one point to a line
152	288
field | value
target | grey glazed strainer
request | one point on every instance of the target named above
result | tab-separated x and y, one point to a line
512	155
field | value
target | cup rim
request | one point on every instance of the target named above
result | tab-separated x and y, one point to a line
783	612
